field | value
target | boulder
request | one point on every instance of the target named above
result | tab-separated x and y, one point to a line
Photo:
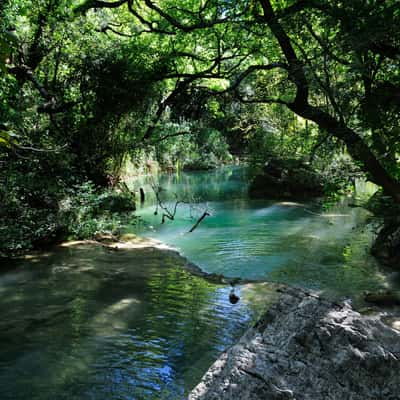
286	179
386	246
306	348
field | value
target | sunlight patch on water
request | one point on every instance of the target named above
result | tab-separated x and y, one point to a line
138	325
85	322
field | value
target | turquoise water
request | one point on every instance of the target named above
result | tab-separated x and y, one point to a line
84	322
300	243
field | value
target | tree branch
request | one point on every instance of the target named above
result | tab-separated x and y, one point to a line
98	4
177	24
179	88
149	24
296	72
253	68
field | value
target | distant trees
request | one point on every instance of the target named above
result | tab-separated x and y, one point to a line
103	77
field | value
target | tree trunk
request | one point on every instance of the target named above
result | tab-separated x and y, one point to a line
356	147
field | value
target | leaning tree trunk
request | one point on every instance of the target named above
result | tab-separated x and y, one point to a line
357	148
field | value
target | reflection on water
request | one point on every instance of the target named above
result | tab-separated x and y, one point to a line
87	323
289	242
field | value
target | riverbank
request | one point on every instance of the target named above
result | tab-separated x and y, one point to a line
302	347
307	348
114	299
134	242
88	320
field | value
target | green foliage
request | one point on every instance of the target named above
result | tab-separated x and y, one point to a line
87	211
8	138
282	134
42	215
83	87
29	203
339	175
8	43
202	148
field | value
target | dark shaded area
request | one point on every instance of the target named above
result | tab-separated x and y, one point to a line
286	179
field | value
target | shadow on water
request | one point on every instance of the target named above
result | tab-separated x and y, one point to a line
87	323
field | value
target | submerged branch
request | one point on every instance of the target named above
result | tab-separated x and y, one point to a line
205	214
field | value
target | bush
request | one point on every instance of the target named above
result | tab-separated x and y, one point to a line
88	211
79	212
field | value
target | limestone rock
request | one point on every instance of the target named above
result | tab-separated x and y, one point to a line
306	348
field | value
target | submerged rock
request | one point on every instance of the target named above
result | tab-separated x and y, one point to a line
308	348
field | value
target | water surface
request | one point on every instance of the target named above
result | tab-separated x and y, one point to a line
90	323
300	243
86	322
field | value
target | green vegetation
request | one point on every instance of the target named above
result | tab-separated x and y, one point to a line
86	86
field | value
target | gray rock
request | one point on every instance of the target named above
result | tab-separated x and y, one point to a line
308	348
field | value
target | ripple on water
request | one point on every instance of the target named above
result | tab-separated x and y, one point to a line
288	242
86	323
138	326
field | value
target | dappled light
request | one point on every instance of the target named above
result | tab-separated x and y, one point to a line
170	170
111	324
287	242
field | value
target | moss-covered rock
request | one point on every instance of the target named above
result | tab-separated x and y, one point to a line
386	246
382	205
286	178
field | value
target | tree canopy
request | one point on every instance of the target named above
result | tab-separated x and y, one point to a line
335	64
98	80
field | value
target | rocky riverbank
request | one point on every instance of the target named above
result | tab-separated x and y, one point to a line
307	348
303	347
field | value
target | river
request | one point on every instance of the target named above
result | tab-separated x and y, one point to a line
84	322
306	244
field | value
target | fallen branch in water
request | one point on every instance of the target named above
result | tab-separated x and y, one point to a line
170	212
205	214
167	213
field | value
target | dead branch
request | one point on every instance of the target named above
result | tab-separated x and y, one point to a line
205	214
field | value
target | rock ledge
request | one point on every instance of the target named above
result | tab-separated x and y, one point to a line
308	348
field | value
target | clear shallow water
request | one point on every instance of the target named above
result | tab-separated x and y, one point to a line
288	242
90	323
